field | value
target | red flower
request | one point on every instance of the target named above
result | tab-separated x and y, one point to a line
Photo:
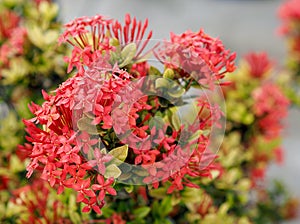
91	36
197	55
36	201
100	106
100	160
104	186
279	155
8	22
289	13
267	97
259	64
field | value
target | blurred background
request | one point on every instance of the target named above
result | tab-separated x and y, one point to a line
243	25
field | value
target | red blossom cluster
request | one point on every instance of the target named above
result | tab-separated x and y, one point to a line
12	37
100	119
34	197
289	13
91	37
259	64
198	56
267	97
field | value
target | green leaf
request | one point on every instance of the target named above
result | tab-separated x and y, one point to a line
35	35
112	171
129	188
141	172
154	71
156	121
50	37
124	176
177	93
128	54
84	124
48	10
141	212
120	153
163	102
158	193
144	58
114	42
162	83
15	164
176	121
166	206
107	211
195	135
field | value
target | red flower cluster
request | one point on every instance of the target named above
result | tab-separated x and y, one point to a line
198	56
267	97
289	13
259	107
259	64
98	126
90	37
34	197
12	37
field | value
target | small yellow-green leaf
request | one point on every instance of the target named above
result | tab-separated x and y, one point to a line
124	176
176	121
195	135
35	35
48	10
129	188
120	153
15	164
176	94
127	54
154	71
224	208
162	83
114	42
50	37
156	121
141	212
141	172
158	193
112	171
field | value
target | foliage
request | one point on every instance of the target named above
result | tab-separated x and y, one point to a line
124	141
30	59
289	14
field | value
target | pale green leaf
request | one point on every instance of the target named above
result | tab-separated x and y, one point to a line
176	94
162	83
112	171
176	121
141	212
120	153
127	54
84	124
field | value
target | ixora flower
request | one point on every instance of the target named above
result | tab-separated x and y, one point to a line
289	12
121	120
252	105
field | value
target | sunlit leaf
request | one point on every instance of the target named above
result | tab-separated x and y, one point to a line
84	124
112	171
